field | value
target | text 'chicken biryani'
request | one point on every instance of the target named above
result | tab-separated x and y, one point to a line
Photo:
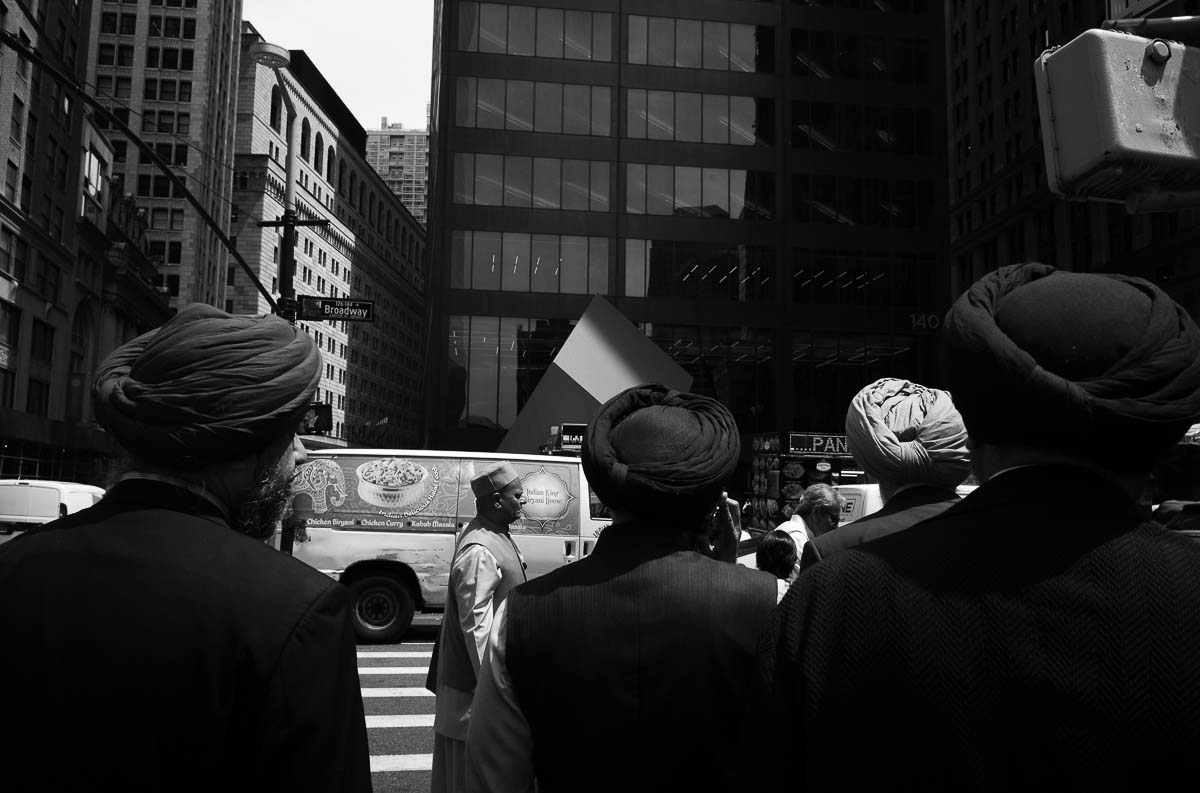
392	472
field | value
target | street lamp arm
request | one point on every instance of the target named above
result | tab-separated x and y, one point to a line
69	83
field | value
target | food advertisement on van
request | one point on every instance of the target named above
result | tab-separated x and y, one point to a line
414	493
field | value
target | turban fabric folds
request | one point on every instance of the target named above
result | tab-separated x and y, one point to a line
207	386
903	433
1102	366
661	454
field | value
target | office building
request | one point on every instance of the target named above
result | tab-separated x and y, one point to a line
370	248
167	68
759	186
76	279
401	157
1001	210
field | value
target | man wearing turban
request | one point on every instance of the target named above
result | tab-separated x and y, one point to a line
1042	633
911	439
156	634
486	566
641	652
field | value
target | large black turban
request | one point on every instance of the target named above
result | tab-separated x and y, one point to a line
207	386
1102	366
661	454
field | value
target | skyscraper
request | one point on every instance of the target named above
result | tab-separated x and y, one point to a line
168	69
401	157
759	186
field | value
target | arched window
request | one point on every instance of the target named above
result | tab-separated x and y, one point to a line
362	194
276	109
329	165
404	242
305	134
353	187
341	178
371	208
319	154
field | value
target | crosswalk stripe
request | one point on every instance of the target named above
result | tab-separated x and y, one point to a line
395	655
390	722
401	762
393	670
396	692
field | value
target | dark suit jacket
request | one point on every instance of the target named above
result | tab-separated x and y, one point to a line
902	510
1039	635
146	645
643	653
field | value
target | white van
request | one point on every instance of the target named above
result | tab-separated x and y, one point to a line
25	503
384	522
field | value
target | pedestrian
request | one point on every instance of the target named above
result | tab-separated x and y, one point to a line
818	512
776	554
486	566
1042	633
640	654
154	641
910	439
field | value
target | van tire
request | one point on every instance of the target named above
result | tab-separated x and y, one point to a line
383	608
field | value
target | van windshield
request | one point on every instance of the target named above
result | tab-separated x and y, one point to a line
30	501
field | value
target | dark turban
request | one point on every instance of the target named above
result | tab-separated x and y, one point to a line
207	386
904	433
1106	367
661	454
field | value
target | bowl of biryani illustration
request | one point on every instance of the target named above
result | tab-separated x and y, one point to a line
391	482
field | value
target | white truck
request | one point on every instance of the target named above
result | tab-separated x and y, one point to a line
384	522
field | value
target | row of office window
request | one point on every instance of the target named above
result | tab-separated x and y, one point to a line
170	58
830	54
520	262
533	107
537	182
859	201
722	271
167	121
700	118
167	90
701	44
159	26
540	32
699	192
833	126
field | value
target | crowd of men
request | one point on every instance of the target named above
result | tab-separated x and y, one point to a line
1041	633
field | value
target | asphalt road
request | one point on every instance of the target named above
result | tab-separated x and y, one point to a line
398	709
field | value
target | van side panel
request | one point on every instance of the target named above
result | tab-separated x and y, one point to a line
548	532
381	507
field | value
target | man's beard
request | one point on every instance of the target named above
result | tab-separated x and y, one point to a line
265	505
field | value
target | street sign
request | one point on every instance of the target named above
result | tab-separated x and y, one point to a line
332	308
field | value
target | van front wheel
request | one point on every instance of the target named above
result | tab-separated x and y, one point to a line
383	608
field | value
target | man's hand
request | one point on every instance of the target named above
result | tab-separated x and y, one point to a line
725	529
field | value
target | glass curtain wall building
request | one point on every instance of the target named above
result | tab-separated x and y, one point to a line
759	186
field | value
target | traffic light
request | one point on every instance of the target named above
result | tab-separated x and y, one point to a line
318	419
1120	118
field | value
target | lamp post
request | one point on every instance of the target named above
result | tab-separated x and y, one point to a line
277	58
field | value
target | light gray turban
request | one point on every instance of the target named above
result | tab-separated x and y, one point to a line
904	433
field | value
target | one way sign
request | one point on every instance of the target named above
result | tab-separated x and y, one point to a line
334	308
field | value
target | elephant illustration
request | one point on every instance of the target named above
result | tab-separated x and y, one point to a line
315	478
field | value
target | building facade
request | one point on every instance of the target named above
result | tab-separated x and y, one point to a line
76	279
168	68
1001	210
759	186
401	158
369	248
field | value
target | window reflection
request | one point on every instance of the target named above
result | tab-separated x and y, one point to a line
699	192
860	278
528	106
851	201
526	30
828	126
667	268
711	118
732	365
828	54
700	44
520	262
543	182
